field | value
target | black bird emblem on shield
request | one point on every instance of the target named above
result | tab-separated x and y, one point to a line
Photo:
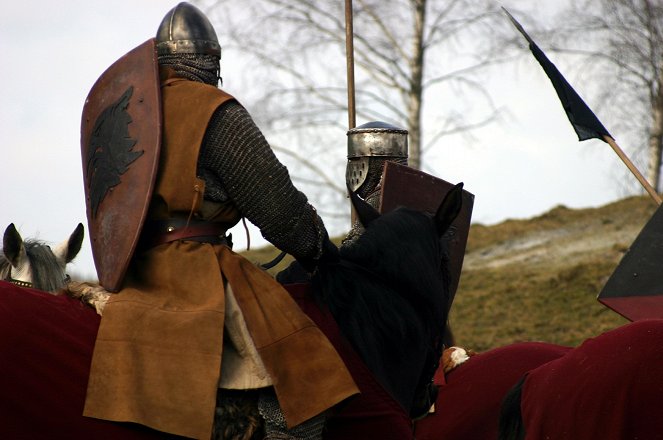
110	150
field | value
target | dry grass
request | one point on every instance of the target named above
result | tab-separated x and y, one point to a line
495	307
538	279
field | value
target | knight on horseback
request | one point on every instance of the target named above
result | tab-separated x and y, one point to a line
190	315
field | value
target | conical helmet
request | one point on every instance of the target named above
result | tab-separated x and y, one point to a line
185	29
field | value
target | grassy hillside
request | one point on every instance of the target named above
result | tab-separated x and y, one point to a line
537	279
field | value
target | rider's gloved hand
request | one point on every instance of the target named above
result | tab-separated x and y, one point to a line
300	270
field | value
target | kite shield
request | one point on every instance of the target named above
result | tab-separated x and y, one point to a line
635	288
120	143
414	189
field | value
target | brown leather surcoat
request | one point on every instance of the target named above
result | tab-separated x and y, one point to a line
158	352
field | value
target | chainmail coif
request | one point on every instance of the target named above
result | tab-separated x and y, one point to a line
194	67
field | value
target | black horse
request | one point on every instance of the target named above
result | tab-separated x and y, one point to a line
389	294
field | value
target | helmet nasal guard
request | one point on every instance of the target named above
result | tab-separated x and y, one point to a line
186	30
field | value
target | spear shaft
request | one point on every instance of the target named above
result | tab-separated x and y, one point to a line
646	185
349	52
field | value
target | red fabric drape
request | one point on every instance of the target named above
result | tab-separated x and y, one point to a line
46	346
609	387
468	405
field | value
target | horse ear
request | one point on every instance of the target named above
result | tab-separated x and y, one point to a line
12	245
68	249
449	208
365	212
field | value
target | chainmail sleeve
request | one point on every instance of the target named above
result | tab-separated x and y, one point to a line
238	164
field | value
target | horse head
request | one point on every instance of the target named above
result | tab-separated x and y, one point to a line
406	248
32	263
390	293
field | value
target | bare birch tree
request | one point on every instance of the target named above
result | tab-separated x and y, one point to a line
410	55
621	44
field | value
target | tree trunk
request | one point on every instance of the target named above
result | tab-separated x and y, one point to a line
654	167
415	93
656	137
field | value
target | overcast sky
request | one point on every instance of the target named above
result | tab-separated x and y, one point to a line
55	51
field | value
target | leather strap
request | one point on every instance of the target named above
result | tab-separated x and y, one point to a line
157	232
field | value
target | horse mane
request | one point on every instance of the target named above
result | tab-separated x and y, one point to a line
405	249
389	294
47	273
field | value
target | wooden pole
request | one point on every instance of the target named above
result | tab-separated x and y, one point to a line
350	65
651	191
349	52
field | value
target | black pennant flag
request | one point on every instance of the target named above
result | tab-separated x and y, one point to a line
584	121
634	289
